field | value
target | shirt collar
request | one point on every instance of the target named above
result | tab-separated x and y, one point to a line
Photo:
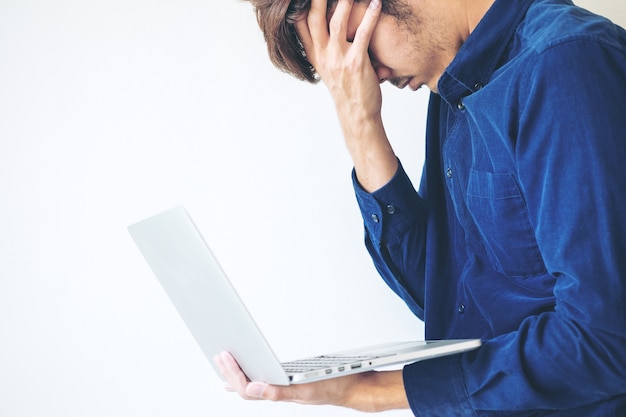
479	56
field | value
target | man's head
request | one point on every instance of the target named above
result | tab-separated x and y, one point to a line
277	18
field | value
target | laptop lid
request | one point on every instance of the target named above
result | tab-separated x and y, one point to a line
203	296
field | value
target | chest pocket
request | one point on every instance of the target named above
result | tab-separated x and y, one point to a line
499	211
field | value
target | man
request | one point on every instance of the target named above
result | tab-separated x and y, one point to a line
517	234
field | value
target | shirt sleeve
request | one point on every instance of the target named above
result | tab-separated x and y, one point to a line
394	219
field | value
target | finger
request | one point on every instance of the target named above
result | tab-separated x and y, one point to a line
339	21
316	20
370	19
217	360
235	377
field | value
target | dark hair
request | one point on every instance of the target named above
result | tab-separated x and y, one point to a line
277	18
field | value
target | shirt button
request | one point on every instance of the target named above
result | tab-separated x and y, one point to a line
390	209
449	172
460	106
375	218
478	86
461	309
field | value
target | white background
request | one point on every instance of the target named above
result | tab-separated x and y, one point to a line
111	111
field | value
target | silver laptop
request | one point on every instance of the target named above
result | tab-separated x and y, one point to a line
219	321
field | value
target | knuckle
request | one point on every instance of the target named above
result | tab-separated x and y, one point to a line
335	25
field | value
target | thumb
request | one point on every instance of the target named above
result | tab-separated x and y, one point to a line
256	389
263	391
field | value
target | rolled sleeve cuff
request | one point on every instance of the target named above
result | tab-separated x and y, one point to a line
388	211
436	387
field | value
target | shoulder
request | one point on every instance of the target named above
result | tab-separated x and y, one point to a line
564	49
553	24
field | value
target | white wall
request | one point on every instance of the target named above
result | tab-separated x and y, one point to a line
113	110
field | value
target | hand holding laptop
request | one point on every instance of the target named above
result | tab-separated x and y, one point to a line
369	392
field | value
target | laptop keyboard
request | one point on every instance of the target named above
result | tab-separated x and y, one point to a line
322	362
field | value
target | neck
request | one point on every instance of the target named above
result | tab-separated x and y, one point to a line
475	10
453	21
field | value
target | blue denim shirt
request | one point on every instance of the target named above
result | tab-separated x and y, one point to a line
518	233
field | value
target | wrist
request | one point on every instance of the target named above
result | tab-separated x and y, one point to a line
375	162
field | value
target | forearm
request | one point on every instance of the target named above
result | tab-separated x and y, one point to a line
378	391
394	217
546	365
340	55
374	160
